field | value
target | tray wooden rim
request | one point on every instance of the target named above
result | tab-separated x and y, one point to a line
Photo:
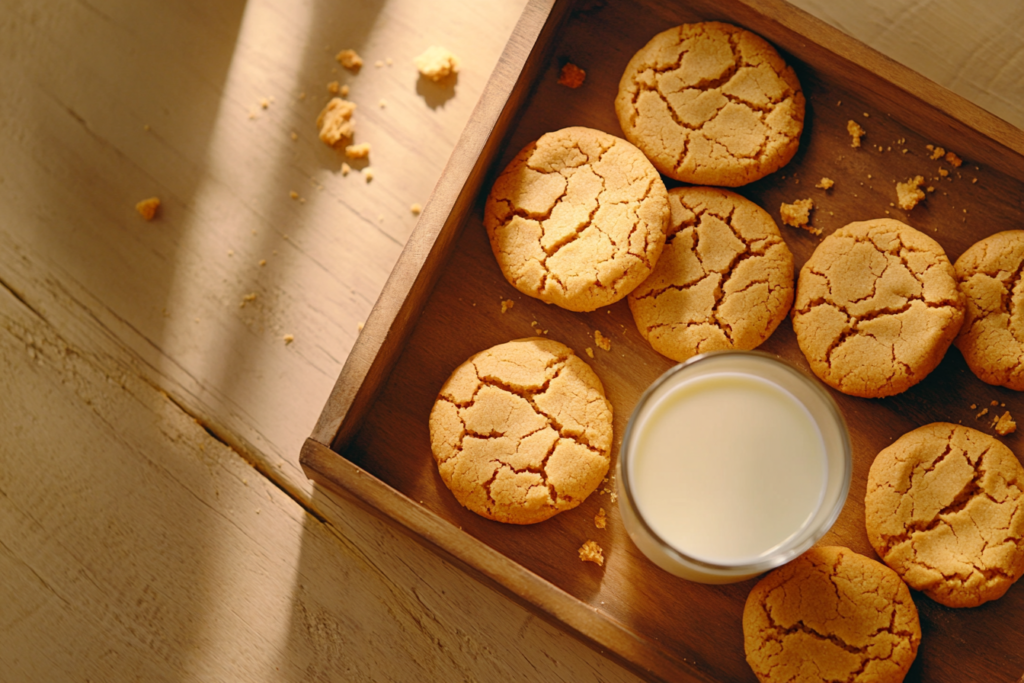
993	142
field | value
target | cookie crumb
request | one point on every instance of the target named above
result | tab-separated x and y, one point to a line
295	136
379	63
798	215
983	413
335	122
147	207
825	183
909	194
293	194
389	61
572	76
359	326
856	133
943	172
383	103
937	152
416	209
360	151
506	305
263	262
436	63
349	59
265	103
344	91
591	552
590	351
333	87
246	299
994	403
602	341
601	519
1005	425
288	339
345	169
974	406
368	173
953	159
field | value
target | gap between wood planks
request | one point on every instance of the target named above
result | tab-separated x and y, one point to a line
217	432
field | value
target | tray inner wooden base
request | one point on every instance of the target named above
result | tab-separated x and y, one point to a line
702	623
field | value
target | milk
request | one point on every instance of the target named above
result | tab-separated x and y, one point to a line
733	463
728	467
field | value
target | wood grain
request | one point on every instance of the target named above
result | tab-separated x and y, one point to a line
699	625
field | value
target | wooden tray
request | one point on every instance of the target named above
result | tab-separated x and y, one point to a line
442	304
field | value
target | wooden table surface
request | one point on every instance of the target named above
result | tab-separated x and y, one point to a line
154	522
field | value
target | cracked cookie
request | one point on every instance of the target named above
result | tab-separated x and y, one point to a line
831	615
711	104
577	219
945	508
522	431
992	337
724	280
876	308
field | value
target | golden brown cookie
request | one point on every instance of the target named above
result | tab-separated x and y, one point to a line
831	615
522	431
876	308
577	219
724	280
711	104
945	508
992	337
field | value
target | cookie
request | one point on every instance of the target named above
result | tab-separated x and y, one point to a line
522	431
724	280
831	615
945	508
711	104
876	308
992	337
577	219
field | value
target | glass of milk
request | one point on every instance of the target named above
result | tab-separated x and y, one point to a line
733	463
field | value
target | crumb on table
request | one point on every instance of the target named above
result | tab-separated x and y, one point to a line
345	168
368	173
147	207
798	215
953	159
909	194
602	341
601	519
416	209
591	552
436	63
293	194
825	183
360	151
359	326
572	76
856	133
1005	425
335	121
333	87
349	59
943	172
590	351
289	338
506	305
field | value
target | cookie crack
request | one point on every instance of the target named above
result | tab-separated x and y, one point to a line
529	396
971	490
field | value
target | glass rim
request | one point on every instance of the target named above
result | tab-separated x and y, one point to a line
774	559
